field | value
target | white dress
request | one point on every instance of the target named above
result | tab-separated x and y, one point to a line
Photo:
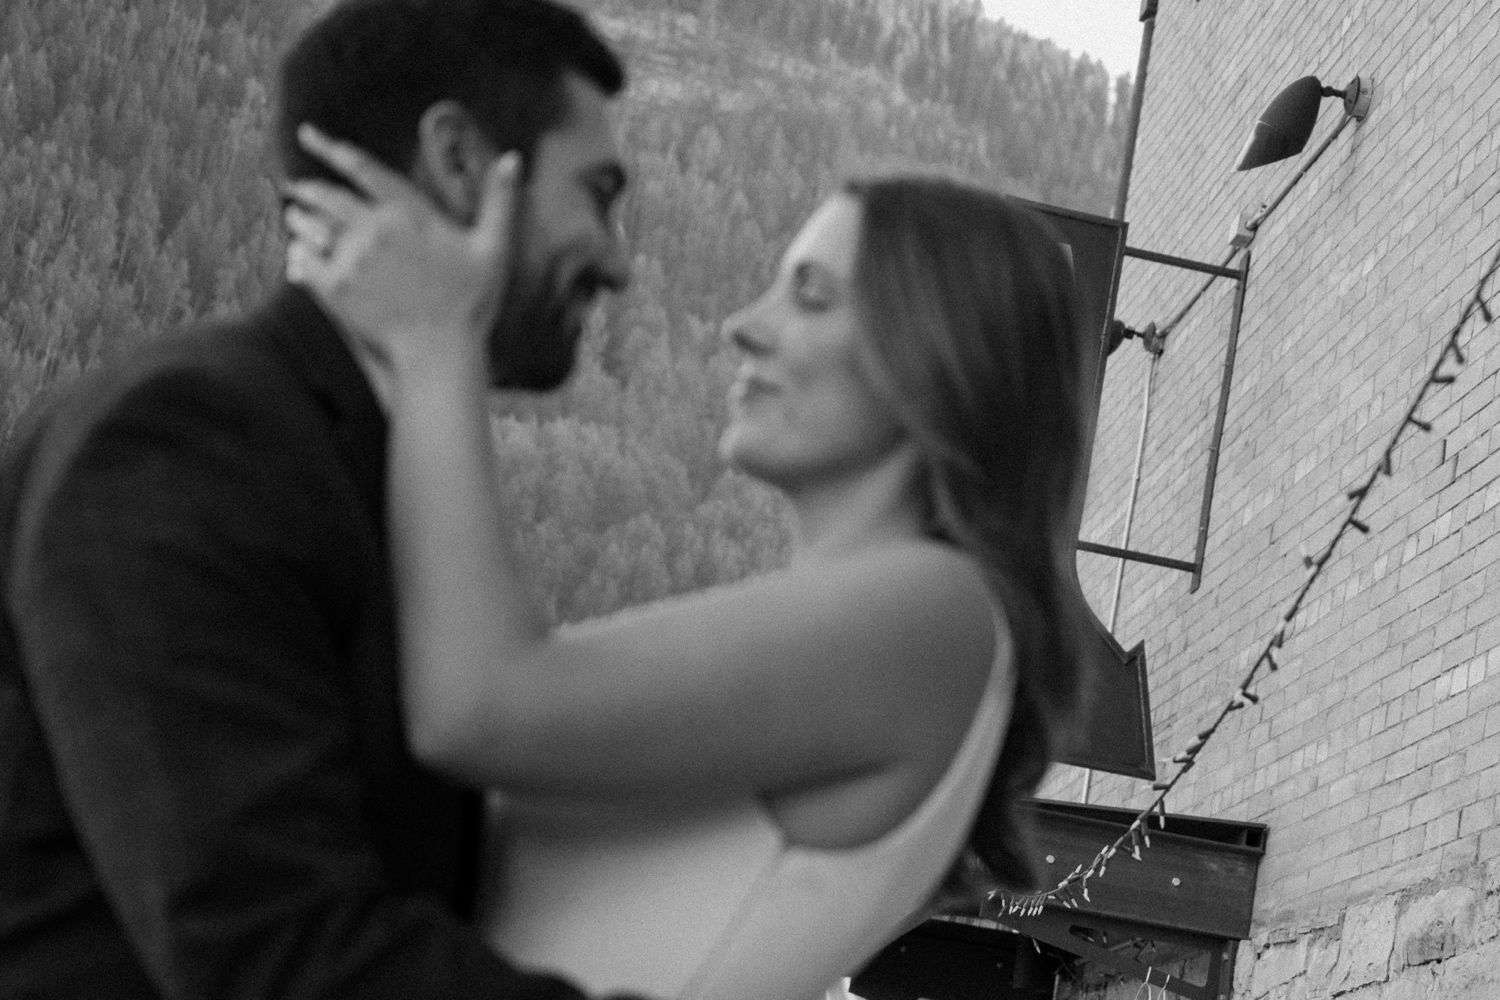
708	901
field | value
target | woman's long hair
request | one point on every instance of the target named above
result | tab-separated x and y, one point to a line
974	340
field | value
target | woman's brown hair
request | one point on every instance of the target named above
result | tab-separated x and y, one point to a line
974	339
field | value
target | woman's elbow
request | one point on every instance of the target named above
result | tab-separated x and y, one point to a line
470	748
441	741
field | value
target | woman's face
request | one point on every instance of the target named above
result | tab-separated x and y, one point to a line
800	410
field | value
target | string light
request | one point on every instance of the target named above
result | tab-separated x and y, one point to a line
1075	885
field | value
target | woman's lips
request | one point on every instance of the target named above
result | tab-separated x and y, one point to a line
749	387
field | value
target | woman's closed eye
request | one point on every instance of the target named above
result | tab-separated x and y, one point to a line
813	287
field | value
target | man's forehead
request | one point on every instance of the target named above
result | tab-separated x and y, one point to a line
588	104
587	131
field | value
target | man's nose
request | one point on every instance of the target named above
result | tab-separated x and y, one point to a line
614	263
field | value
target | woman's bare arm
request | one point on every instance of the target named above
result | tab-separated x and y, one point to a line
829	669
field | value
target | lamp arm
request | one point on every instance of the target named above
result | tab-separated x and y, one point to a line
1254	222
1286	189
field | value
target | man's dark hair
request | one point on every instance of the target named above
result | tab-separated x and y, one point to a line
367	70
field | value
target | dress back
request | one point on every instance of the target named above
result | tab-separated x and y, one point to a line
708	901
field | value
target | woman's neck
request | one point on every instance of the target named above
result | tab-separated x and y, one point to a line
842	514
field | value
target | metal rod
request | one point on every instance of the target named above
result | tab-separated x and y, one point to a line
1127	167
1215	444
1171	324
1125	553
1137	99
1100	549
1218	271
1286	188
1135	492
1260	217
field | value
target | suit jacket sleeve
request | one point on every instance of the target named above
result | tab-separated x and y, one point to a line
175	616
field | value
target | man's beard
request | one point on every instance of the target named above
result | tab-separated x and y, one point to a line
530	349
534	342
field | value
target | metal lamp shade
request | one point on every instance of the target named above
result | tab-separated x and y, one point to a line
1285	126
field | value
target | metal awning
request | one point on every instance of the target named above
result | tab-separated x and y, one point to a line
1172	919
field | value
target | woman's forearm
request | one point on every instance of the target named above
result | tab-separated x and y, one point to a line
465	608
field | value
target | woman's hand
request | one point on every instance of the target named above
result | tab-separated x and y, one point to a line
413	287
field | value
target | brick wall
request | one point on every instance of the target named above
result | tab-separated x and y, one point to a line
1374	755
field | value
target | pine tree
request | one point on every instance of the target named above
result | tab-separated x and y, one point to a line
136	196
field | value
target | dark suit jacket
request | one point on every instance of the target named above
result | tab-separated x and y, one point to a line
204	788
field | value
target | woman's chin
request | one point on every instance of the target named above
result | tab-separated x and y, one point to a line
740	454
729	447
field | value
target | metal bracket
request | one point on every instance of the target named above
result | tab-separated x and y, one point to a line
1137	950
1133	555
1358	96
1186	263
1153	339
1226	383
1244	231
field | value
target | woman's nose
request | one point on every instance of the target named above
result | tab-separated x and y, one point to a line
747	332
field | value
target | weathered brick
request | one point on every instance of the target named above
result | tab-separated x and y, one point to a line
1435	927
1375	754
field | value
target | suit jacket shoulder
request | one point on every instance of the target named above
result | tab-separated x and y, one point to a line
209	774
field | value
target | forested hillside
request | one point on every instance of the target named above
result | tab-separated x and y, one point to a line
136	196
1045	119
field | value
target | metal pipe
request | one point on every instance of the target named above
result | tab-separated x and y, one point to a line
1137	99
1255	221
1171	324
1135	490
1286	188
1211	477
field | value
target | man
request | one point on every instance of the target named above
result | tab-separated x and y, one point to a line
204	786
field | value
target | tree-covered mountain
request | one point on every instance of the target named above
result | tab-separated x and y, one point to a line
1047	119
136	195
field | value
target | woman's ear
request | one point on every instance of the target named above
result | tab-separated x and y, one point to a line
451	158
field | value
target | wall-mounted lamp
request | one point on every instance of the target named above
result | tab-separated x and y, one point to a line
1287	123
1283	130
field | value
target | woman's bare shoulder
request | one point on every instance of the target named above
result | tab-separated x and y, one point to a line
929	586
832	667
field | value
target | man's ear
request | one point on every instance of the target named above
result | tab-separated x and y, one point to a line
451	158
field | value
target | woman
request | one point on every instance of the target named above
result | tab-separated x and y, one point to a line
748	791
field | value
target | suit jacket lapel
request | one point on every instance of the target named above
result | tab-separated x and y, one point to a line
432	827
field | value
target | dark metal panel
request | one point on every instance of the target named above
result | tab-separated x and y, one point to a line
1198	875
1114	733
1114	730
1203	966
946	961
